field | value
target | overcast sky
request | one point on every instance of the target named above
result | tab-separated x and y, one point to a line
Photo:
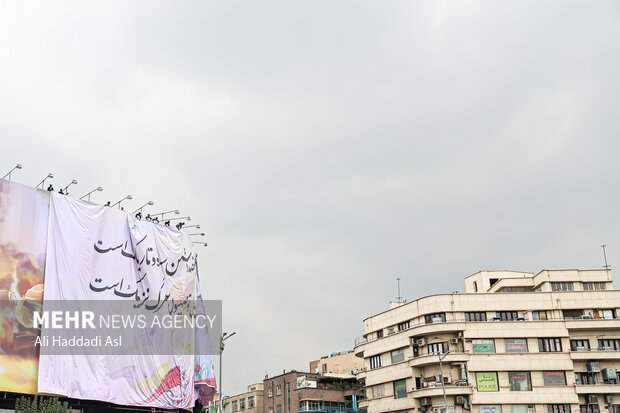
328	147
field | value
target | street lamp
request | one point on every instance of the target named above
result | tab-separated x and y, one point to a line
191	226
67	187
200	243
42	183
176	211
174	219
140	209
98	189
443	384
18	166
202	234
119	202
223	338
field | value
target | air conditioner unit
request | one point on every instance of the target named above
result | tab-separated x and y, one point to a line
609	398
447	379
454	340
425	401
459	400
421	342
594	367
609	374
436	409
391	331
424	384
592	399
413	341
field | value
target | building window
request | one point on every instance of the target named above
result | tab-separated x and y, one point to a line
270	392
483	345
554	378
558	408
549	345
507	315
250	402
400	389
375	361
562	286
403	326
519	381
593	408
572	314
515	345
516	290
580	345
241	404
436	348
379	333
398	355
288	398
593	286
539	315
476	316
609	344
605	314
234	406
583	378
435	318
278	389
378	390
279	408
487	381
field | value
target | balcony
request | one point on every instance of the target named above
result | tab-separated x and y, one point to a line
598	387
595	355
592	324
326	409
428	359
438	391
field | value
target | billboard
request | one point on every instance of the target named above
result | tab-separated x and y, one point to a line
487	381
23	235
96	257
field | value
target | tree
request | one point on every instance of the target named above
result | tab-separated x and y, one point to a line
41	405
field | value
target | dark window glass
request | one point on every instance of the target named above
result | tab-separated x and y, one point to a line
400	389
580	345
515	345
435	318
519	381
554	378
476	316
435	348
507	315
549	344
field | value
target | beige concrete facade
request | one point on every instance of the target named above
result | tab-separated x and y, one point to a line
518	342
343	364
248	402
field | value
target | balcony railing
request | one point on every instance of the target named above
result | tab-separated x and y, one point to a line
326	409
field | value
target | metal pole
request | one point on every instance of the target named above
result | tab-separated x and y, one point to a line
605	256
443	385
221	394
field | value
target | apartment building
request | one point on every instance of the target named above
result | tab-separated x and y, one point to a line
514	342
295	391
342	364
248	402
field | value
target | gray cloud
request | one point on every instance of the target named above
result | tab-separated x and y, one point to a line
328	147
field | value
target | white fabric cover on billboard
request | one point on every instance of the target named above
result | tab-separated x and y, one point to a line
90	245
